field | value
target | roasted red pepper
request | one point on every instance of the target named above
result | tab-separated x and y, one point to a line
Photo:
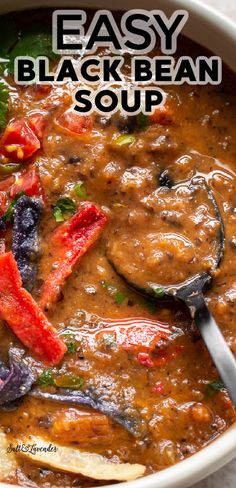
69	243
24	316
29	183
73	123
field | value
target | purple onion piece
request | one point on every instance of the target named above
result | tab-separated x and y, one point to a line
16	380
25	243
3	226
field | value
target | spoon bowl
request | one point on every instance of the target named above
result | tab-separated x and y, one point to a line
190	291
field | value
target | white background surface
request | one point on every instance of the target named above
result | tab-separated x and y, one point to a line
226	477
228	7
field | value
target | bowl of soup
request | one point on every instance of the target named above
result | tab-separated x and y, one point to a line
100	384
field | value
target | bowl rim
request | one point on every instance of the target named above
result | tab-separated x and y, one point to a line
223	449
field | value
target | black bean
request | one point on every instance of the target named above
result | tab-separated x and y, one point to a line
74	160
126	123
164	179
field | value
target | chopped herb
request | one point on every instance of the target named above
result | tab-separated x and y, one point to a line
119	297
124	140
64	206
80	190
69	381
214	387
7	169
46	378
34	41
159	292
4	97
109	340
70	342
142	121
58	214
8	215
71	346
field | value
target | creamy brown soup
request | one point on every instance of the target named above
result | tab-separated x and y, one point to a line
155	397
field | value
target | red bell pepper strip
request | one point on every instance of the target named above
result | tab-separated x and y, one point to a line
137	334
69	243
29	183
19	141
24	316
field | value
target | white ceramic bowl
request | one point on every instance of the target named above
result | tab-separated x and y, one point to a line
218	34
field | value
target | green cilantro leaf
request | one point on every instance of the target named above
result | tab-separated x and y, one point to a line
58	215
4	98
63	207
46	378
71	346
80	190
9	214
142	121
34	41
119	297
214	387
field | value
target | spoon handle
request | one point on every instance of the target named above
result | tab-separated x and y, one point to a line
221	354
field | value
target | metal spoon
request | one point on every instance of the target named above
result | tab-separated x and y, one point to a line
191	293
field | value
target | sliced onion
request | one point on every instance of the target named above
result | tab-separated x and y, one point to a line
8	462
